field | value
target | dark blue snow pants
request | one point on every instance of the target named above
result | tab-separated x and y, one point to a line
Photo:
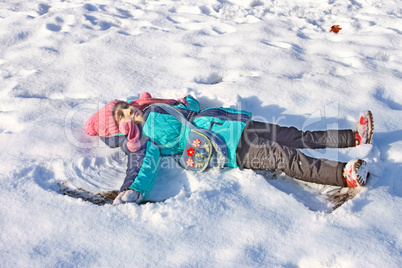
265	146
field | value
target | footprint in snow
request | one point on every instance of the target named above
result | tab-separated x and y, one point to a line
90	7
223	29
103	25
124	13
210	79
256	3
53	27
43	9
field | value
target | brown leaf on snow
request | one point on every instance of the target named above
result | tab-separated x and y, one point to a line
335	29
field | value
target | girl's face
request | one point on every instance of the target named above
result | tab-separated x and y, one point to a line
124	112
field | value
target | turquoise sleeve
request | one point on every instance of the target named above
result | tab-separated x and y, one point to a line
193	104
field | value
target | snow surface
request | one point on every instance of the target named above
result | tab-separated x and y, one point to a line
60	60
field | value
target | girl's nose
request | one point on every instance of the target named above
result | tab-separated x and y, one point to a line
127	112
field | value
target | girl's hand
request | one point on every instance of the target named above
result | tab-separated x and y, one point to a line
126	196
184	101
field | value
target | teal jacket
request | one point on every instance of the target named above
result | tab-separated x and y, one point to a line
163	135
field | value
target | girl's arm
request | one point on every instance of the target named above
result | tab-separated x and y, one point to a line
192	104
142	169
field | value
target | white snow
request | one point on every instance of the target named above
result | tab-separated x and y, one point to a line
61	60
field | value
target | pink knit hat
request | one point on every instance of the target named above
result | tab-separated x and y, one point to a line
102	123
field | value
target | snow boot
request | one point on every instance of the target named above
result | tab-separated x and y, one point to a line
356	173
364	128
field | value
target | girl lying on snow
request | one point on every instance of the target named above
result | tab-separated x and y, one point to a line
146	132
